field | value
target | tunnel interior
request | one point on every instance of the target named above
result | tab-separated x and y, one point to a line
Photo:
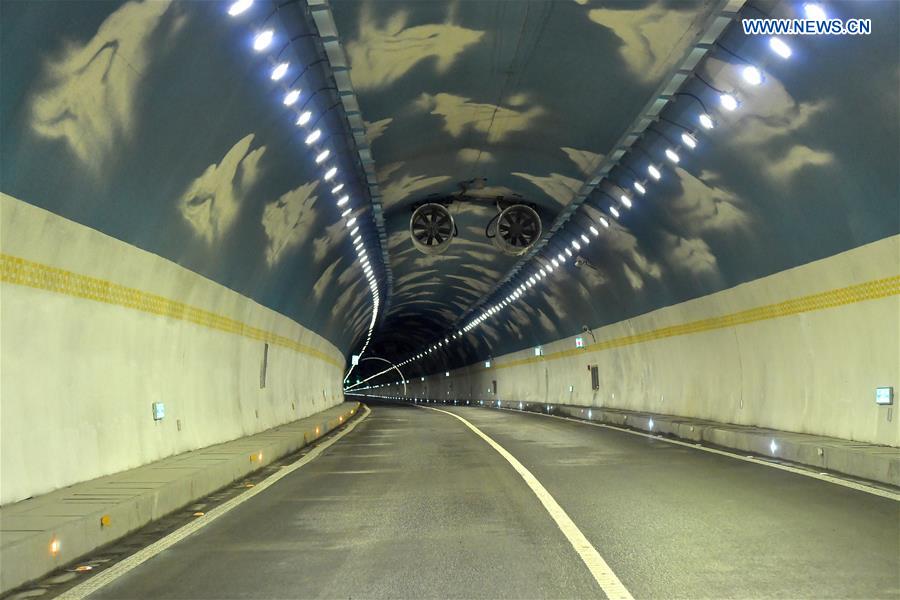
213	218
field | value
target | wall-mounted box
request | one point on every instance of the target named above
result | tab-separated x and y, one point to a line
159	411
884	395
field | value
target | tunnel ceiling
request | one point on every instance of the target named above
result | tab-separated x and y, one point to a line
157	123
532	96
470	101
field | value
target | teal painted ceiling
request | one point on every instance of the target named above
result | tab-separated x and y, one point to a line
157	123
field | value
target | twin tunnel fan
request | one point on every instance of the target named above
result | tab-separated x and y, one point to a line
513	230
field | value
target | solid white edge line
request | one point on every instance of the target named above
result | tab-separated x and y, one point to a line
861	487
853	485
601	571
122	567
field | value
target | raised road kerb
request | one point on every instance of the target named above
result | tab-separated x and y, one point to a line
131	499
830	458
121	568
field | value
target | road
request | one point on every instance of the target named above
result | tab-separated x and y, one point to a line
414	504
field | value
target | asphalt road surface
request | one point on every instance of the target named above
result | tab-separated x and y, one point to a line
414	504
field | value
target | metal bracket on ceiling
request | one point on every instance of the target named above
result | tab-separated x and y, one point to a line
340	68
722	15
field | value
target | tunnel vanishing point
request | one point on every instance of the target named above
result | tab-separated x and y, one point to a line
449	299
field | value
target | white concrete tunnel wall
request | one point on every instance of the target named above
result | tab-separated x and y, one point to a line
80	375
795	368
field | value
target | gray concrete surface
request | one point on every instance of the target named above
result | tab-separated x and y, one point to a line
412	504
872	462
133	498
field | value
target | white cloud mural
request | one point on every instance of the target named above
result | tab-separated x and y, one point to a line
90	90
286	221
769	120
376	129
400	189
461	115
559	187
324	280
651	35
211	202
692	255
382	54
586	161
798	158
474	155
705	206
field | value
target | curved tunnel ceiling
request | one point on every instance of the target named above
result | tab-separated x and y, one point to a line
533	96
480	100
157	123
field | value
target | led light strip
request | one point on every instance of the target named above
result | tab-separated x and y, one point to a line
550	262
263	38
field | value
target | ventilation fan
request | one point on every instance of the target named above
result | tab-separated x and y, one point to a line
515	229
431	228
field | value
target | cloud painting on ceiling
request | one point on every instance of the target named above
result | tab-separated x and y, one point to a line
532	97
158	140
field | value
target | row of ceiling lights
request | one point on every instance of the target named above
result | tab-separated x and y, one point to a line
751	74
263	38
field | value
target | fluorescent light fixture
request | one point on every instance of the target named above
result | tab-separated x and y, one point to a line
346	212
576	245
780	48
752	75
640	187
614	211
672	155
343	200
279	71
351	222
555	262
594	230
604	222
689	140
330	173
313	136
654	172
561	258
814	11
239	7
728	101
304	117
568	252
262	40
706	121
585	239
626	201
322	156
337	188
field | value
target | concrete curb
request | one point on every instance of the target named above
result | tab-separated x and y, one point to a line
133	498
880	464
864	461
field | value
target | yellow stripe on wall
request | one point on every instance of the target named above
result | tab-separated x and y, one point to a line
36	275
870	290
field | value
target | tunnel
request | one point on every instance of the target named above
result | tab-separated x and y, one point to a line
449	299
